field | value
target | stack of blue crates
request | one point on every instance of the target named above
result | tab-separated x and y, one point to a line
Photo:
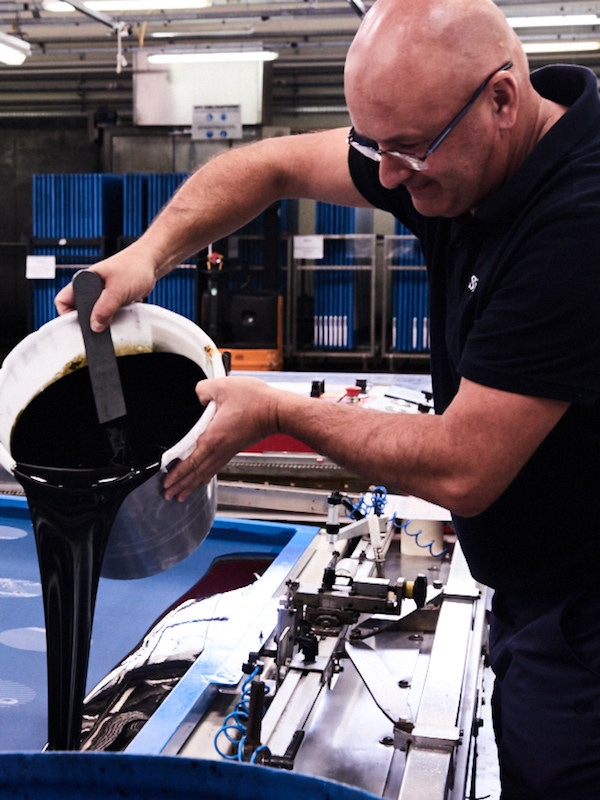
335	291
144	195
74	216
410	295
247	249
98	211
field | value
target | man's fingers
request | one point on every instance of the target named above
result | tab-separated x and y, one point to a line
102	314
65	300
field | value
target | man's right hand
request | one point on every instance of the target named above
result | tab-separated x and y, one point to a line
127	279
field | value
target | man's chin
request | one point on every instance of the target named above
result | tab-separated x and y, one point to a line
436	207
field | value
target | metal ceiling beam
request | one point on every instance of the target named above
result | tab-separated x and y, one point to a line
308	35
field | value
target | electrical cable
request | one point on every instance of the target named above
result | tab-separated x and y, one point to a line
234	724
403	528
360	508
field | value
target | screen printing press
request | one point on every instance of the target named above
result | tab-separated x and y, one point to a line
370	680
349	646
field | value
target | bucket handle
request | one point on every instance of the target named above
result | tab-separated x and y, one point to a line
185	446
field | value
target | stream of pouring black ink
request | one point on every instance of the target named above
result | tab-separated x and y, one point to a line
74	491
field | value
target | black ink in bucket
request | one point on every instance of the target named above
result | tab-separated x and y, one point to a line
74	493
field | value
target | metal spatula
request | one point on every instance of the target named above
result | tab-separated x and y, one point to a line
103	369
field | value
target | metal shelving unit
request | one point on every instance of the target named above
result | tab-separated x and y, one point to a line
333	300
405	299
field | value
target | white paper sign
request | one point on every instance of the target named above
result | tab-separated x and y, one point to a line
308	247
43	267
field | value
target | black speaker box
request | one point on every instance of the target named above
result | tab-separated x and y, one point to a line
251	319
243	319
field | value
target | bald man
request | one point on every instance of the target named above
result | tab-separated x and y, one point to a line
498	174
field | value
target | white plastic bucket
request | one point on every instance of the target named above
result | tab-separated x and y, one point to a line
149	533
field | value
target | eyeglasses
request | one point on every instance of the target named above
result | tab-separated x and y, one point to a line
369	148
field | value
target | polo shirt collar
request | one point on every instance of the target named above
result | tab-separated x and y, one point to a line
573	86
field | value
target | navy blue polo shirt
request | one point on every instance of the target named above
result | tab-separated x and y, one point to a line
515	305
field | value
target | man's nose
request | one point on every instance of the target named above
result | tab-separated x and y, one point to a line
393	172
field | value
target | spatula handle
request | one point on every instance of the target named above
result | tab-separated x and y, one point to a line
100	352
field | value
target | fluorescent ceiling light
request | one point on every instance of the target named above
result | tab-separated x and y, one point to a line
554	21
128	5
13	50
213	56
204	33
560	47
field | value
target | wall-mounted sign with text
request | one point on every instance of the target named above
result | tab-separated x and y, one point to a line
216	123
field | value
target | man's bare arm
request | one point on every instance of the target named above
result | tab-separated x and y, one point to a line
219	198
462	459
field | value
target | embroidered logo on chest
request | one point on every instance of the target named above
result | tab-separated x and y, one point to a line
473	281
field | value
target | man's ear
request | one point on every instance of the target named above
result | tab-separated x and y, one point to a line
505	96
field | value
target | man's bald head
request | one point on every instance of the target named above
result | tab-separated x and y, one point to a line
413	67
429	47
